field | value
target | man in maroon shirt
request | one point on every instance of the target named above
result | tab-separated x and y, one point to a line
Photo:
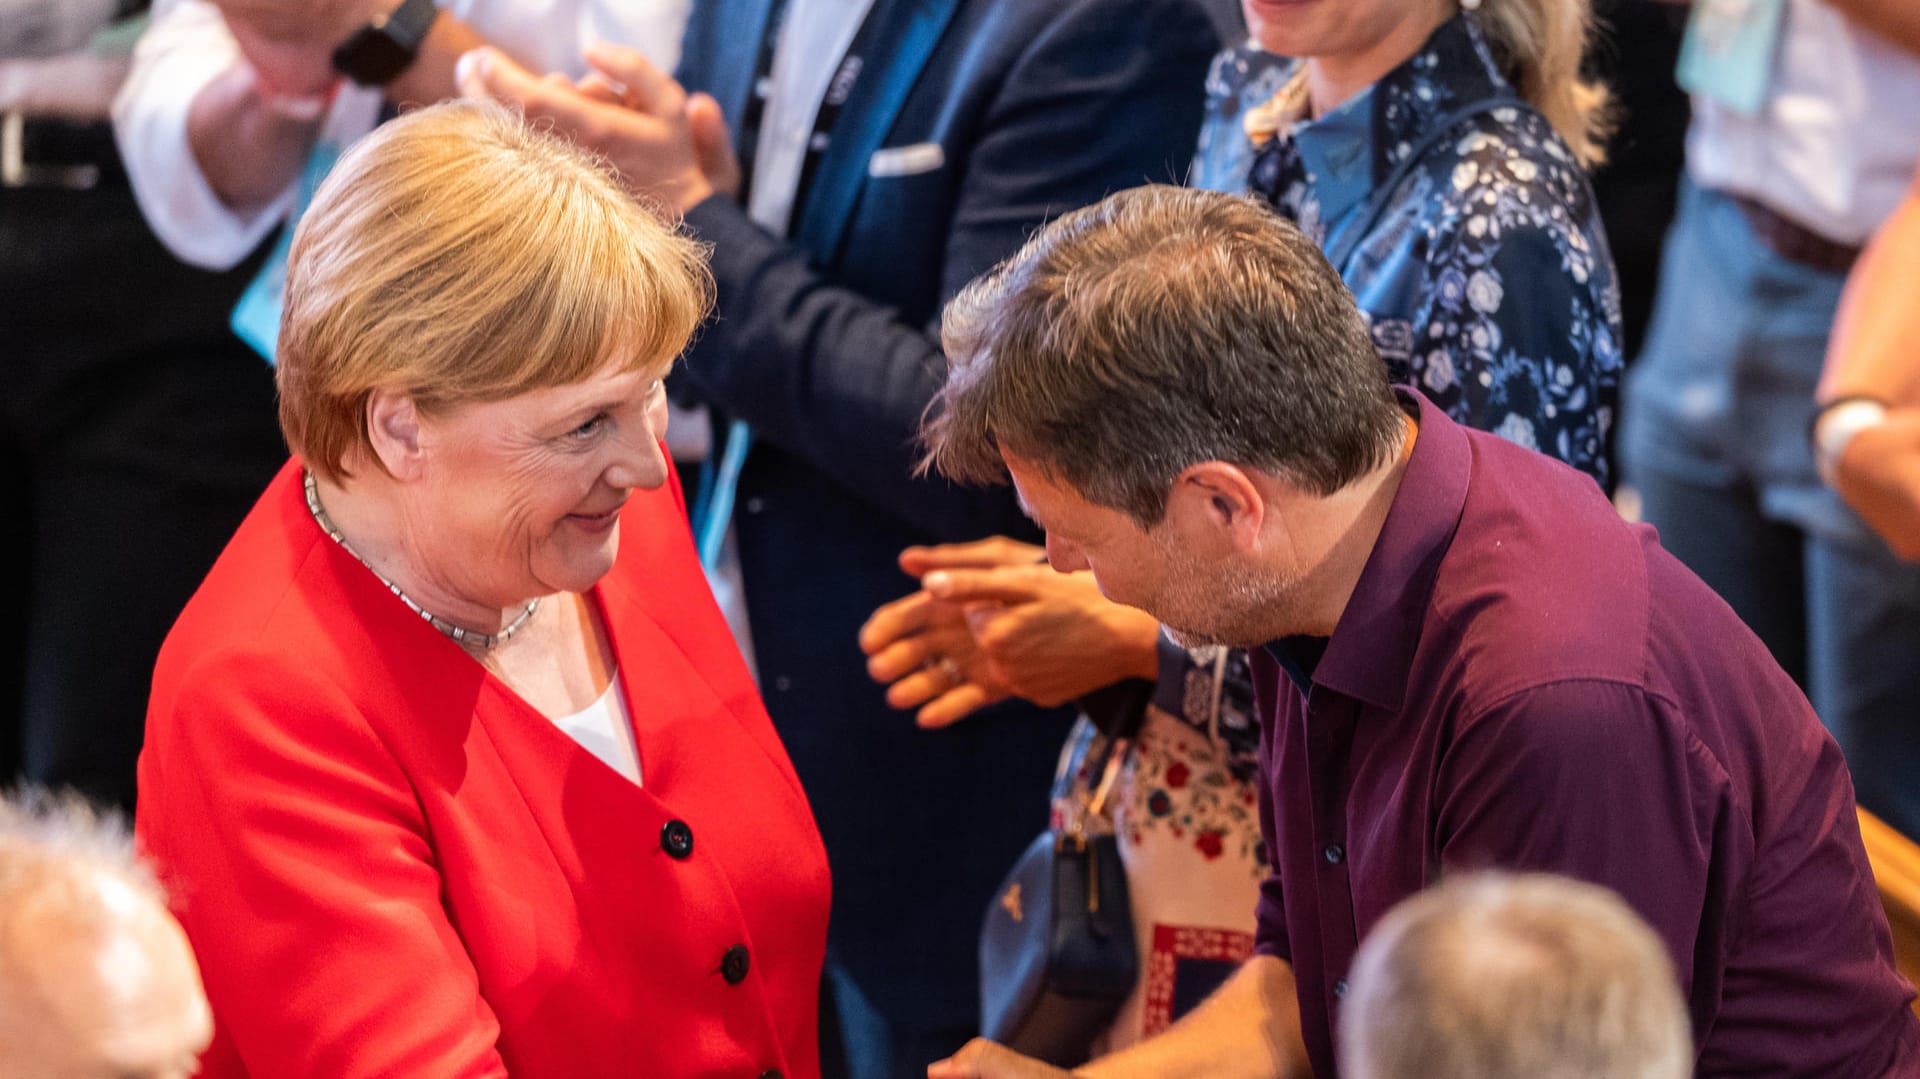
1465	659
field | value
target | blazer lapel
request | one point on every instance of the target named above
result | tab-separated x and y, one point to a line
744	22
903	40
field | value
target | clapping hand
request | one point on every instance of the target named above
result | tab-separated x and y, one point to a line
667	145
992	621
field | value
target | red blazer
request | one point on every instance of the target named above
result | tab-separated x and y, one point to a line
390	865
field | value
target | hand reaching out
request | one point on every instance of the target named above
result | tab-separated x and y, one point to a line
990	623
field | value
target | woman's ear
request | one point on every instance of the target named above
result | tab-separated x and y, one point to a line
393	430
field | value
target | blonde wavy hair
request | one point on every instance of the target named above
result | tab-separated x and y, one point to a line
1539	45
459	255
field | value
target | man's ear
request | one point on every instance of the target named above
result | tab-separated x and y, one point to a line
1221	500
393	429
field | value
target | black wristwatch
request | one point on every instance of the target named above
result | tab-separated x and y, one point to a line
378	52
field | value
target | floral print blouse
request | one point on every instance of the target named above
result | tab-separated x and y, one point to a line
1485	274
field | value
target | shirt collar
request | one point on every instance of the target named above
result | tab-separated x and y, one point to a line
1338	159
1371	651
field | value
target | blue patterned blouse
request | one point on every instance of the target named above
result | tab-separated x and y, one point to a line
1484	270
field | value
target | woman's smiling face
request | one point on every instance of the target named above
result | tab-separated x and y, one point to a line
521	497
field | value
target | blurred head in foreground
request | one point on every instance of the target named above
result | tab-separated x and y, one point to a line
96	978
1503	977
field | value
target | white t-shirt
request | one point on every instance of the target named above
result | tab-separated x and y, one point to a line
188	45
1837	142
605	729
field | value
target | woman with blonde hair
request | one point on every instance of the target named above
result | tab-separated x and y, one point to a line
1437	151
452	765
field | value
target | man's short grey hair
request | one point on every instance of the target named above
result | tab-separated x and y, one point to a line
54	852
40	831
1152	331
1499	976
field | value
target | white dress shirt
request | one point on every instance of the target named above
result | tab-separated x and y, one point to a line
813	39
188	46
1837	141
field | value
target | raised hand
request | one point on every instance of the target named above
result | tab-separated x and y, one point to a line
662	142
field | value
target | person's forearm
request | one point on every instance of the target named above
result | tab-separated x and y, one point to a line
1896	20
1249	1028
1879	475
1872	352
1136	636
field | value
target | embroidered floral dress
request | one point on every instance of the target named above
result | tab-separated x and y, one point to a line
1186	814
1485	278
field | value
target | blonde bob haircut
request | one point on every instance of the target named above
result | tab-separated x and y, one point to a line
458	255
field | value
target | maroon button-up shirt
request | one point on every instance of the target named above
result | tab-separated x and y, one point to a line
1523	681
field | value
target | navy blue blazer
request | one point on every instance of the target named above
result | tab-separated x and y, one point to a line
1017	110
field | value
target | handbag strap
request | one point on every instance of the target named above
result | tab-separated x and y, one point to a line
1117	750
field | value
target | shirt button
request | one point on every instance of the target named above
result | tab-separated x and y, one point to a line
756	504
677	839
782	683
1334	853
734	964
1340	989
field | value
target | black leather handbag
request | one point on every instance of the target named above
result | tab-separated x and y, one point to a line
1057	950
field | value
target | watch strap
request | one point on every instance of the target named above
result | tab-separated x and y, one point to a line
1835	424
378	52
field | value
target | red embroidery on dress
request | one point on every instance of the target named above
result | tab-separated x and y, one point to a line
1171	944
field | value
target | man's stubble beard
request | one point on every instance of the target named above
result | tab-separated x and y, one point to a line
1212	606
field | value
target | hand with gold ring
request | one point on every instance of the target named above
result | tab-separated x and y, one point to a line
1030	632
923	651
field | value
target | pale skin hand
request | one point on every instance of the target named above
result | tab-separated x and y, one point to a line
668	146
1871	354
1248	1029
1012	626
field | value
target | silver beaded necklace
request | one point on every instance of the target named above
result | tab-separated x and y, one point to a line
460	634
